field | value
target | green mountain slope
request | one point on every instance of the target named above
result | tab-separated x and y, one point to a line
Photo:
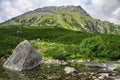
68	17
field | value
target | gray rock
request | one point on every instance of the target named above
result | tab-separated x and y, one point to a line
103	75
96	79
24	57
69	70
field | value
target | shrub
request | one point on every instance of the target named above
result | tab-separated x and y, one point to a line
115	55
57	53
93	47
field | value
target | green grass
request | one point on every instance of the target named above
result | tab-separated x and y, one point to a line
118	67
57	50
56	43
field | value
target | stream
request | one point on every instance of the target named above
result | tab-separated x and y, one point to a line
84	71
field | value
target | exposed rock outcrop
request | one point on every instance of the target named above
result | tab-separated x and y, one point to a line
24	57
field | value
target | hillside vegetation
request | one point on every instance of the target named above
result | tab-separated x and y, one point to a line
60	43
68	17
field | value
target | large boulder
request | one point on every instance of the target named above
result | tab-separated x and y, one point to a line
24	57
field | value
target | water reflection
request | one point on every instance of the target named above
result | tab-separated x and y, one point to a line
24	75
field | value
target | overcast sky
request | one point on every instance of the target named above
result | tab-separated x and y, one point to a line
102	9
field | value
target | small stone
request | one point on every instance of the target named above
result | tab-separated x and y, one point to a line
63	63
104	74
24	57
112	74
101	77
96	79
69	70
117	79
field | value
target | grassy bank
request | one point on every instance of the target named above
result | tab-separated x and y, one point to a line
57	43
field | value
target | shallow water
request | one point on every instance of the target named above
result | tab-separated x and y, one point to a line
56	72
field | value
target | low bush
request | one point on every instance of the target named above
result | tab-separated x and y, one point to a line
93	47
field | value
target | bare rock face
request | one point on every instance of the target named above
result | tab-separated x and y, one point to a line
24	57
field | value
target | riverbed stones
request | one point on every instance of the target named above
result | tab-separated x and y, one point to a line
54	62
24	57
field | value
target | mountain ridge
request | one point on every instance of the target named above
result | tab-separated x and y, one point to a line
68	17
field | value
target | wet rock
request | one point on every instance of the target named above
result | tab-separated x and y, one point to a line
24	57
113	74
96	79
83	73
33	74
115	77
69	70
103	75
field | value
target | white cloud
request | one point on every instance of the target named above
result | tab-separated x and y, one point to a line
12	8
105	10
102	9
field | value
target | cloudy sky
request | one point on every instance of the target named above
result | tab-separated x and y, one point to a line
108	10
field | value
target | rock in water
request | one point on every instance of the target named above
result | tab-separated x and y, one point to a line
24	57
69	70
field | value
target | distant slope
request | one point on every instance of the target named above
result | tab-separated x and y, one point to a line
68	17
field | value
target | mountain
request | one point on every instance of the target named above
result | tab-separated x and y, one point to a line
68	17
